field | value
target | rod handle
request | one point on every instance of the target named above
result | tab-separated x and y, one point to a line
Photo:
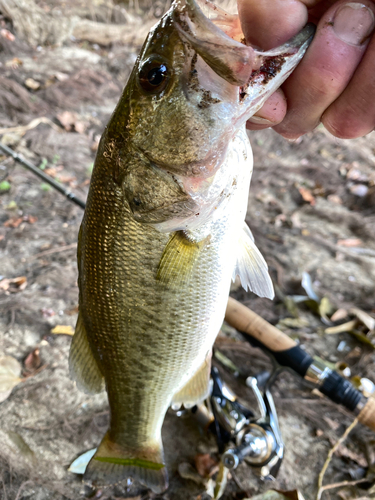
367	414
246	321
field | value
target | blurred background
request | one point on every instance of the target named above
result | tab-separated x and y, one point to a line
63	64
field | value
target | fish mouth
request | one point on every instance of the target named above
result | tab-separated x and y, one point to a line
225	50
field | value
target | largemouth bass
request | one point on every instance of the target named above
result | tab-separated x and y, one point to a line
163	232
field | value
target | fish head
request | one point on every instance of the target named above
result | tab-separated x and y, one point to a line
194	84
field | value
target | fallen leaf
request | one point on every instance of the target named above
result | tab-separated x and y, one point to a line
334	198
344	452
47	312
66	178
71	312
350	242
221	481
345	327
339	315
78	466
307	285
187	471
32	84
363	317
205	464
67	119
278	495
14	63
13	222
7	34
63	330
10	371
293	322
307	195
22	446
325	309
359	190
13	285
16	221
32	361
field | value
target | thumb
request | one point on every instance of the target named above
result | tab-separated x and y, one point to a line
269	23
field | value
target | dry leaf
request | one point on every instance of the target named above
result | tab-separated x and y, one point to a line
363	317
187	471
205	464
10	371
345	327
344	452
47	312
13	222
32	84
22	446
13	285
7	34
339	315
63	330
278	495
71	312
350	242
67	119
307	195
16	221
14	63
32	361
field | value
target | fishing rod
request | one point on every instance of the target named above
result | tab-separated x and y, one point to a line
46	178
288	354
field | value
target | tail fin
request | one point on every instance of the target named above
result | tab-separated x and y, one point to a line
113	463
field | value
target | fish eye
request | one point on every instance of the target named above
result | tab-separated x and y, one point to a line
153	76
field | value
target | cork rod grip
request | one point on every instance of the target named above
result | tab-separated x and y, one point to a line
367	415
247	321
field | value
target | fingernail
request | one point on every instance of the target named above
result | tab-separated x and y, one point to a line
353	23
258	120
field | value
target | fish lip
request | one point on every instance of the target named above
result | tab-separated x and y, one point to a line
232	60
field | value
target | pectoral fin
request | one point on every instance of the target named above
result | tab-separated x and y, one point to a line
251	267
82	364
197	389
178	260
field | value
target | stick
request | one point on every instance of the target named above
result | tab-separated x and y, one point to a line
329	458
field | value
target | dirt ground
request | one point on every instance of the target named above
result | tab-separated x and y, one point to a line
311	209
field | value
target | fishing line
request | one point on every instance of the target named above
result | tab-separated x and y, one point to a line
37	171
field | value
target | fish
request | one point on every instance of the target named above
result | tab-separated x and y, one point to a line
164	233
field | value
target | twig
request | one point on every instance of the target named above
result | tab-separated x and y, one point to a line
22	129
21	488
54	250
344	483
329	458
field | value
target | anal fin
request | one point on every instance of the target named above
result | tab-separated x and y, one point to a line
114	462
197	389
82	365
251	266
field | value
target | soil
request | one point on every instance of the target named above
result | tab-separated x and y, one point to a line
311	209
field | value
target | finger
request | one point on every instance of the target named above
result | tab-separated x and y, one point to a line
328	65
353	113
269	23
270	114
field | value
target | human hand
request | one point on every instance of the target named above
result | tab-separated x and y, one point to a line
335	81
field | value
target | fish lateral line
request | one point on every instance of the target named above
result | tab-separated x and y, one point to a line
146	464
